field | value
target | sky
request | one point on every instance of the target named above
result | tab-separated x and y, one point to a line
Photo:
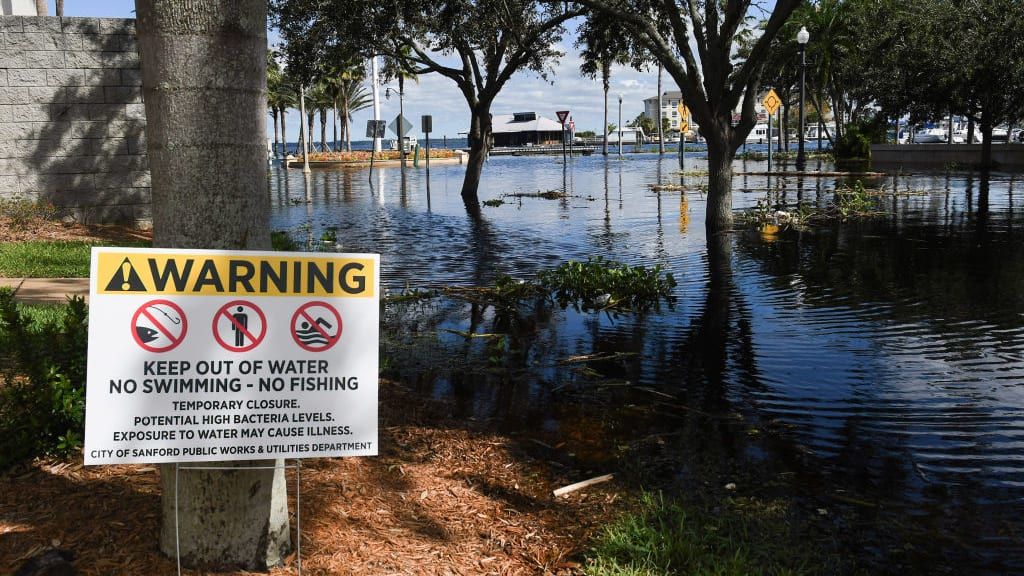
437	96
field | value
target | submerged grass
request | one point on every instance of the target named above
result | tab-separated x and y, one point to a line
664	537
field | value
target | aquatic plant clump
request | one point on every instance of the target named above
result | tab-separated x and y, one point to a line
602	284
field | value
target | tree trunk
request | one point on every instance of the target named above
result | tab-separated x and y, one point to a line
207	156
784	130
401	118
661	133
41	9
719	205
479	145
986	138
277	130
334	123
346	128
606	77
309	129
323	129
284	133
60	8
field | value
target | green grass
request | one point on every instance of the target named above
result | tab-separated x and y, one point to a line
43	315
740	536
37	259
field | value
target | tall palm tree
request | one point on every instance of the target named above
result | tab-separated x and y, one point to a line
280	97
352	97
401	69
320	101
603	45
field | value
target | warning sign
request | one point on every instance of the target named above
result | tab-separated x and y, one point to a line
159	326
273	371
771	102
232	274
316	326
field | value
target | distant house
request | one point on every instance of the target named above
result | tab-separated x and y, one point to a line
628	135
524	129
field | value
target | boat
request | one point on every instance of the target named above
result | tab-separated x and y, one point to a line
759	135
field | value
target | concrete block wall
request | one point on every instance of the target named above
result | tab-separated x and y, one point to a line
72	122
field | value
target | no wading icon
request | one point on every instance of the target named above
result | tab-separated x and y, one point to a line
239	326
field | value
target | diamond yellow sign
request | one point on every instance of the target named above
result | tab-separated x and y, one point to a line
684	117
771	102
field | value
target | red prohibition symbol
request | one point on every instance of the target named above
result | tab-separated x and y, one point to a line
239	326
159	326
316	326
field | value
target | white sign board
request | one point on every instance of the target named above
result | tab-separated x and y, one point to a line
201	355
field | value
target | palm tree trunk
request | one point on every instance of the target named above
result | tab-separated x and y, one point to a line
60	8
309	129
606	77
401	117
207	195
41	9
284	132
323	129
346	128
661	134
277	132
334	143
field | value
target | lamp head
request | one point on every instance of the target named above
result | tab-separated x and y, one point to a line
803	36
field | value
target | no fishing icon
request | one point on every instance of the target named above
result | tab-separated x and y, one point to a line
316	326
159	326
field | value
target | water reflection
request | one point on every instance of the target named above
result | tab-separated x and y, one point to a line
886	356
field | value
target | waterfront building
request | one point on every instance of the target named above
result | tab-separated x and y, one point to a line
525	129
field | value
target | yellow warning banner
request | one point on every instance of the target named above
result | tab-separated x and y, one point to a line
199	274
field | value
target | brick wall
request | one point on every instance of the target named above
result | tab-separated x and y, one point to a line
72	122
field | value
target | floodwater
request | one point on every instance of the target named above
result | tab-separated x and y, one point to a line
882	359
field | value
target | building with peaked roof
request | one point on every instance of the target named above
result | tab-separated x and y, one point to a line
524	129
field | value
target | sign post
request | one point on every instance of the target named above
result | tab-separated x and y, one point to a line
684	127
426	123
208	355
562	115
771	103
375	130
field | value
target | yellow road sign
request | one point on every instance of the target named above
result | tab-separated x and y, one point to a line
684	117
771	102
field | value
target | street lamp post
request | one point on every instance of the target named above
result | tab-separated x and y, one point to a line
619	139
802	37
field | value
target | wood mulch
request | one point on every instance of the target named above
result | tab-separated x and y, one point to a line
51	230
443	497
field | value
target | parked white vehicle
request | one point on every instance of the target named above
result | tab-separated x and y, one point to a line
930	136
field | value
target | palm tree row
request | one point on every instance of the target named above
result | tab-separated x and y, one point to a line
339	90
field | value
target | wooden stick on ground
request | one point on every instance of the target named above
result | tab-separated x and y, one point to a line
580	485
